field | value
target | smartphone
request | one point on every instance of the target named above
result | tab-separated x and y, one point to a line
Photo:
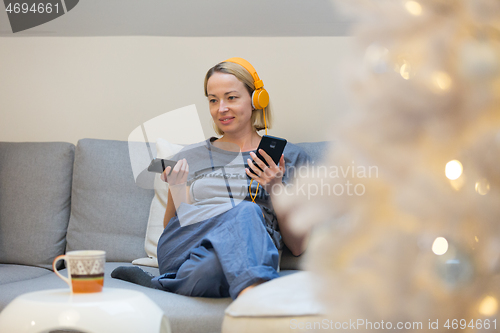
273	146
159	165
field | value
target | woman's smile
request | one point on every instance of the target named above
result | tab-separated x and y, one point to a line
226	120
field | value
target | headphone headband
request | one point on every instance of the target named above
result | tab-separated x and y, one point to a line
247	66
260	97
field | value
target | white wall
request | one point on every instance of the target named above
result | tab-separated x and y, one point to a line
68	88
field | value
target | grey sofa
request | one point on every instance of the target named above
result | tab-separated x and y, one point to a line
57	197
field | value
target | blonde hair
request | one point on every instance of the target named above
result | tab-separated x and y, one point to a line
244	76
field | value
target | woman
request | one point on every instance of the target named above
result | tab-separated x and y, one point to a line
219	242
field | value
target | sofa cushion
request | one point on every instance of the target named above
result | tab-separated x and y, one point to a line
14	273
108	210
35	189
275	305
289	295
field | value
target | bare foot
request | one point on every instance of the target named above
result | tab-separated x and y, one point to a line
250	287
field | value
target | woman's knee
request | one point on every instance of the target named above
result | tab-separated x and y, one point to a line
249	209
203	263
203	275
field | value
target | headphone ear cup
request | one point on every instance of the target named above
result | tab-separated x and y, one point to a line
260	98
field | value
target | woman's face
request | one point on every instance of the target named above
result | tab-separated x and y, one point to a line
230	103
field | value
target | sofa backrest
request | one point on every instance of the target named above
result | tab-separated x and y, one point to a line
316	151
35	193
108	210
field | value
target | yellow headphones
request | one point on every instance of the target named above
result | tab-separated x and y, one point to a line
260	97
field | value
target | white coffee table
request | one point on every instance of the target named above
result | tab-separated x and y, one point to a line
112	310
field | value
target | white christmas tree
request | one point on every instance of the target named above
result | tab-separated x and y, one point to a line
422	242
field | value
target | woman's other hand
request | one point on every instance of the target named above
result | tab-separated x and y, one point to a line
179	173
267	176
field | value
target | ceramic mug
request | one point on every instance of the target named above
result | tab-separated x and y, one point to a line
85	270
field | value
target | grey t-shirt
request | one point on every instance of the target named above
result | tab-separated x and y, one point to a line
217	181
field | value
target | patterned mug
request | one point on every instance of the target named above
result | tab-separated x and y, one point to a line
85	270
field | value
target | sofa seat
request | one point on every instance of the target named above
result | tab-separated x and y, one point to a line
13	273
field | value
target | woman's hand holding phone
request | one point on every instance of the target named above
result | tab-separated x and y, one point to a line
179	173
267	176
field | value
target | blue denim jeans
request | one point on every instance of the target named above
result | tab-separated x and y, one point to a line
218	257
